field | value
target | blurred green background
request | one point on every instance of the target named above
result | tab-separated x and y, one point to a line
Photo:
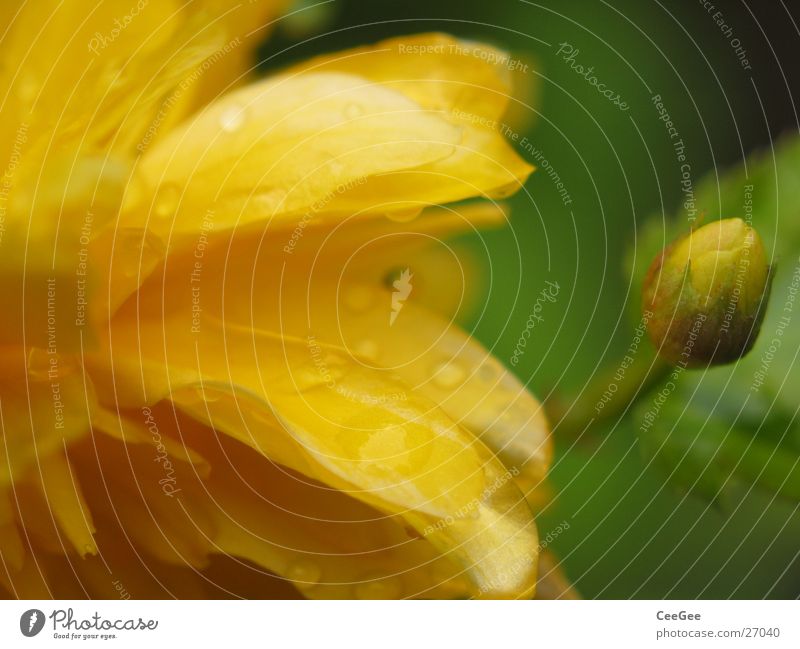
632	533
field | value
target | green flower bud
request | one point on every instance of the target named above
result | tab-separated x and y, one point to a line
706	294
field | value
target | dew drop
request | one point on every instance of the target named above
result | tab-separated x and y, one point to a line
505	191
359	298
325	370
139	250
515	415
334	360
487	373
208	396
271	201
304	573
28	89
352	111
448	375
378	589
307	378
167	199
405	215
232	118
367	349
114	77
117	81
39	363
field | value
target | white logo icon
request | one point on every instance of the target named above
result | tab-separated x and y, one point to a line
402	289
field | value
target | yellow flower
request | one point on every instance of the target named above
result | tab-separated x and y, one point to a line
229	363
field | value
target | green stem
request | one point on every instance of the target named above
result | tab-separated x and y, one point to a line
610	394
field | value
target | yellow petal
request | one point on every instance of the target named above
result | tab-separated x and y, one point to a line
41	411
118	71
47	272
451	368
331	287
282	145
553	583
246	25
29	582
115	71
325	542
12	549
62	491
366	435
483	164
436	70
450	276
470	84
139	494
141	428
369	143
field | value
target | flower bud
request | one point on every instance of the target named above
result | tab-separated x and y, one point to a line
707	294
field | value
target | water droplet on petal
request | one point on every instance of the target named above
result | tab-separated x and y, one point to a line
505	191
270	201
448	375
405	215
359	298
367	349
352	111
378	589
118	81
167	199
334	360
139	251
325	369
488	373
39	363
304	573
208	396
232	118
113	77
515	415
28	89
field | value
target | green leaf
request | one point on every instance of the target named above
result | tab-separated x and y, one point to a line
738	424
